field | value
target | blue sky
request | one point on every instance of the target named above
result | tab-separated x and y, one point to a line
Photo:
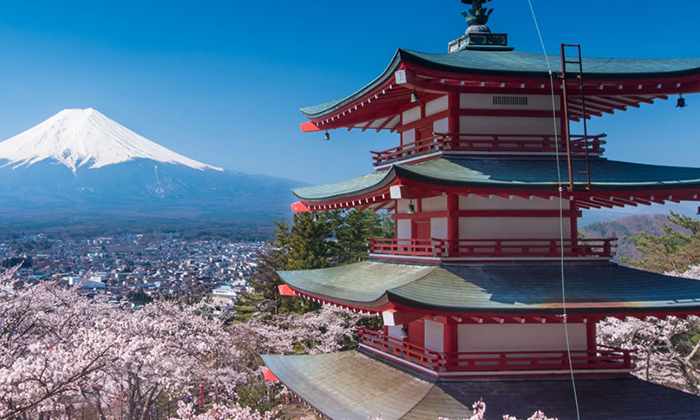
222	81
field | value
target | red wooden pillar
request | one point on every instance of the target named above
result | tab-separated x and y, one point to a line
591	344
453	122
452	223
573	222
449	337
416	332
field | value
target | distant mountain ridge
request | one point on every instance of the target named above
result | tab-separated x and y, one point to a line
629	226
80	165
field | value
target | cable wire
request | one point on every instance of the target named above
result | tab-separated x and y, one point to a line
561	210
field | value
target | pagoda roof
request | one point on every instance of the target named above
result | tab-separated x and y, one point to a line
353	385
530	288
481	65
508	174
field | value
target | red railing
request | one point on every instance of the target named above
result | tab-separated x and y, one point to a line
415	247
494	248
603	358
376	339
515	144
416	149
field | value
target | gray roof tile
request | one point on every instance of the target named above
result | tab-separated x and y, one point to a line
352	385
533	174
501	288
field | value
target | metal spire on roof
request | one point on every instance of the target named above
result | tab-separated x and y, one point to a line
477	15
478	35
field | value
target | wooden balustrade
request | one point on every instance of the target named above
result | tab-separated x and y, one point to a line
493	248
414	247
490	143
603	358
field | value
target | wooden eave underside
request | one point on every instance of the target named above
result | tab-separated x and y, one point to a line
594	314
380	108
380	199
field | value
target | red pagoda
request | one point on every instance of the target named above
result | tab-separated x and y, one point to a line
486	291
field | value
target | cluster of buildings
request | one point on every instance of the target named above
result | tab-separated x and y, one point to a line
137	268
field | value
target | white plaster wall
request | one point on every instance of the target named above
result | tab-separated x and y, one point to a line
403	229
435	106
408	136
441	126
509	227
518	337
411	115
395	331
402	205
506	125
438	203
433	335
485	101
438	227
516	203
512	228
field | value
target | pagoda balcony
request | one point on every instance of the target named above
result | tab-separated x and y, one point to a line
437	250
488	144
516	363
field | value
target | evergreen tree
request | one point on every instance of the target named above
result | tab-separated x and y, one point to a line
672	251
315	240
308	244
353	230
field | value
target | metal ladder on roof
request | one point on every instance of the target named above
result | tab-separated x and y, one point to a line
578	157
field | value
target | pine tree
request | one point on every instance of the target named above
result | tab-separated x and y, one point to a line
353	231
308	244
315	240
672	251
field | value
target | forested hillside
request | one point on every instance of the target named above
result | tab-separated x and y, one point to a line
629	226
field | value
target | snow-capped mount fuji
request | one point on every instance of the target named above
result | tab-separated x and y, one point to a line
80	165
85	137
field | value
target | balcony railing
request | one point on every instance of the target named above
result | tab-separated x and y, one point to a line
479	144
493	248
603	358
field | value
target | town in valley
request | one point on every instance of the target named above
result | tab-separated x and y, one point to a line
132	269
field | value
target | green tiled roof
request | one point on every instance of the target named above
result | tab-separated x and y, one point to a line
533	174
519	63
352	385
516	63
500	288
361	283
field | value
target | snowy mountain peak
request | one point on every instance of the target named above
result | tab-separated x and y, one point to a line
85	137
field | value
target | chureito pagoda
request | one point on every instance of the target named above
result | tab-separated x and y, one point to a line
492	170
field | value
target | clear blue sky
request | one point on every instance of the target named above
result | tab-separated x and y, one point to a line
222	81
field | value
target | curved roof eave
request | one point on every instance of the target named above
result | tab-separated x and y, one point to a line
528	288
316	111
510	174
514	64
345	189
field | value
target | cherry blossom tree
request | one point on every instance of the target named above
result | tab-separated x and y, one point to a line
60	350
222	412
479	413
324	331
664	351
165	349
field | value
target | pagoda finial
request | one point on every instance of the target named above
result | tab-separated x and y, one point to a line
477	16
478	36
